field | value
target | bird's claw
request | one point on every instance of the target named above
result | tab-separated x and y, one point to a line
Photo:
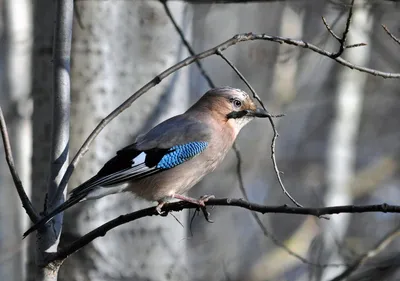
206	214
203	199
159	209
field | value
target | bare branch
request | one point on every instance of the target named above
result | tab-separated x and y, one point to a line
342	40
221	47
345	32
48	239
275	136
179	206
265	231
61	98
255	95
330	30
187	45
26	203
356	45
397	40
236	149
382	244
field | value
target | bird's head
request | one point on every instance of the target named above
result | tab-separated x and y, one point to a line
233	106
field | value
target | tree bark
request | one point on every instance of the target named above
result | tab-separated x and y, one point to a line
111	59
17	105
43	24
343	137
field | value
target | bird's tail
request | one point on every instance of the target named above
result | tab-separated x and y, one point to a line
70	202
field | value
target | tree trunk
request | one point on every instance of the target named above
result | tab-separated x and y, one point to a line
43	24
118	47
343	137
17	107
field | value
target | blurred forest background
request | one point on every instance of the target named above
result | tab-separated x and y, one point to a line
339	141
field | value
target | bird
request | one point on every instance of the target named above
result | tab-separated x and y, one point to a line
164	163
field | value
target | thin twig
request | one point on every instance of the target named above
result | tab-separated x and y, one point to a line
275	136
179	206
397	40
26	203
211	84
187	45
265	231
255	95
381	245
356	45
343	39
223	46
330	30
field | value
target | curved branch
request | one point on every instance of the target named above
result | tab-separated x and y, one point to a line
179	206
382	244
221	47
397	40
26	203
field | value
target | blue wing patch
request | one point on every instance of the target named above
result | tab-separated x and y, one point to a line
132	164
181	153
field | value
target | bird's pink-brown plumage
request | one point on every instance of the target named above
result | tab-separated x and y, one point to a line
173	156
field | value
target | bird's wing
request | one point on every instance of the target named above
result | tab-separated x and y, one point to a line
167	145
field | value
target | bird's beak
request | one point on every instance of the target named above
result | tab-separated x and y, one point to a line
259	113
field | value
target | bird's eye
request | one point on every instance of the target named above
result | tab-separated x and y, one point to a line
237	103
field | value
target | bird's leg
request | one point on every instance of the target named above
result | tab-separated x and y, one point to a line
199	202
161	203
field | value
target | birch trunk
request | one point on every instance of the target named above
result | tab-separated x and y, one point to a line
17	105
343	136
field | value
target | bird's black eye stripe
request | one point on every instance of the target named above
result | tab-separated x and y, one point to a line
236	114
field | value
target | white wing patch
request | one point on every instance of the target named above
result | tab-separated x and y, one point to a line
139	159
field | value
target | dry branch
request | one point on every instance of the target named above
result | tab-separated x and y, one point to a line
26	203
179	206
397	40
221	47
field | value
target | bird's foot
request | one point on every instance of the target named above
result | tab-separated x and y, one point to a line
203	199
159	207
200	202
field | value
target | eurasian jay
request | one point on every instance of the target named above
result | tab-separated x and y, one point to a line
173	156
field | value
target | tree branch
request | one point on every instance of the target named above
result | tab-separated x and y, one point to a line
48	238
26	203
187	45
179	206
236	149
343	39
274	137
382	244
221	47
397	40
61	97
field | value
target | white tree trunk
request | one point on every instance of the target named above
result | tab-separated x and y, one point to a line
343	136
17	106
121	46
